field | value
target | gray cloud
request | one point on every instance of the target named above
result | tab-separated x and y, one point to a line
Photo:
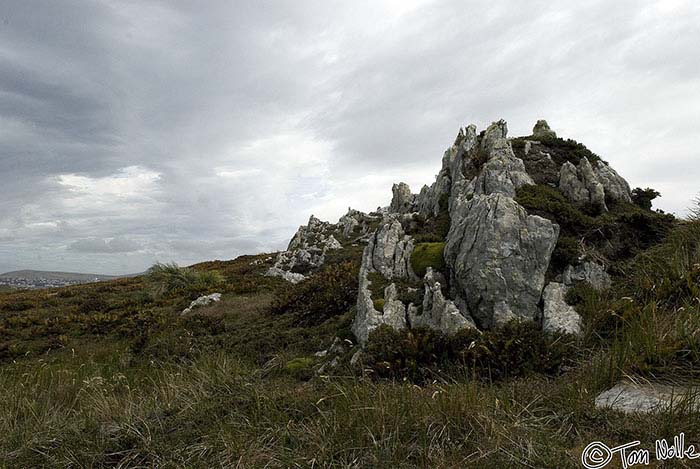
139	131
97	245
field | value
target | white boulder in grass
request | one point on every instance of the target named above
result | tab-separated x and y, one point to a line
204	300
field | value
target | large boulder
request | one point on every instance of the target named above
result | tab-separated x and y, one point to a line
643	398
390	250
615	185
498	256
593	184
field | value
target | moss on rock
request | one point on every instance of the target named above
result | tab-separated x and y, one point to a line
427	255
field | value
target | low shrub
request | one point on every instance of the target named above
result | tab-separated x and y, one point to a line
551	204
567	150
643	197
377	284
405	354
566	252
330	292
514	350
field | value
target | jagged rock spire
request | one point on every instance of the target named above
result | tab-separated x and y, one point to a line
542	130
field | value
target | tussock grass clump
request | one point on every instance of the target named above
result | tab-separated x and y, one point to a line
170	279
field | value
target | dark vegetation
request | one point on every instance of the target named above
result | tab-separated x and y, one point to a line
516	350
643	197
559	149
614	236
330	293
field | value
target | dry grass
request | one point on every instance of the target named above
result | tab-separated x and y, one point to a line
106	375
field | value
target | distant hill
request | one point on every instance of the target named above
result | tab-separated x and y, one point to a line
68	276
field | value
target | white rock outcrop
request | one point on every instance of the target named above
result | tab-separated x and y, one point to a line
584	184
580	184
498	256
402	201
502	172
306	251
557	315
542	130
438	312
387	253
204	300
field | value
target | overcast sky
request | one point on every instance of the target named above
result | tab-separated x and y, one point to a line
139	131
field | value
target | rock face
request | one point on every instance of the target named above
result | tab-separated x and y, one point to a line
355	224
580	184
589	272
393	312
308	248
387	253
583	184
557	315
498	256
615	186
502	172
438	312
390	250
205	300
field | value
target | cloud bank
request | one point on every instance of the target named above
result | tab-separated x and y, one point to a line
139	131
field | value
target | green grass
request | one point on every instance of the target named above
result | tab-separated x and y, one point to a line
426	255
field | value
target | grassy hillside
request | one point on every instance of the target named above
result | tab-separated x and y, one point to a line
110	374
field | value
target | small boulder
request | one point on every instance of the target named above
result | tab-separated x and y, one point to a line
204	300
636	398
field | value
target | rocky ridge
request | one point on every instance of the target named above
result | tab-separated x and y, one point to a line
463	252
